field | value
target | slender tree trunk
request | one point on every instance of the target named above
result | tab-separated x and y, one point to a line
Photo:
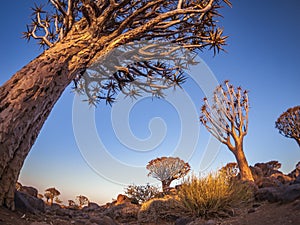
166	184
245	171
27	99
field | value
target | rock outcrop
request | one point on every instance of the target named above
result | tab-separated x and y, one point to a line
28	203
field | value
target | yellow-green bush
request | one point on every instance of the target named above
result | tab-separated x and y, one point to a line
213	195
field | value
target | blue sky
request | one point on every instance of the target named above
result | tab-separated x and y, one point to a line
262	56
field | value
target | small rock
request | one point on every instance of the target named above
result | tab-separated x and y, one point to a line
183	221
251	210
210	222
256	205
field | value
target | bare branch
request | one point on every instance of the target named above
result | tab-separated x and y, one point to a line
226	117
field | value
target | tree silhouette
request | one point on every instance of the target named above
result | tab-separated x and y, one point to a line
82	200
167	169
288	124
72	203
75	34
226	118
50	194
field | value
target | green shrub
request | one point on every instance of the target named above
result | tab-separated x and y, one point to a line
141	193
213	195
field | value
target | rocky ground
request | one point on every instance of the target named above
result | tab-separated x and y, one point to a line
276	202
262	213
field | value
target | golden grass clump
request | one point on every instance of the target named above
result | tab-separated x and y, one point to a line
213	195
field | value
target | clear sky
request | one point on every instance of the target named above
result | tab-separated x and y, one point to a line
262	56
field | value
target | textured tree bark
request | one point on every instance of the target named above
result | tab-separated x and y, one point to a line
245	171
27	99
166	184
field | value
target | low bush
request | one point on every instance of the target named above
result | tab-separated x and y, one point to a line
141	193
213	195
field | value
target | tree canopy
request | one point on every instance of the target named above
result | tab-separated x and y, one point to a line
167	169
288	124
188	24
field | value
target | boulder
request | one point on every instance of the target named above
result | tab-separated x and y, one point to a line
271	194
291	193
283	194
269	168
282	178
124	213
29	190
268	182
91	207
122	199
28	203
161	210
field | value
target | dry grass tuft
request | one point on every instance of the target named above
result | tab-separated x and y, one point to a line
214	195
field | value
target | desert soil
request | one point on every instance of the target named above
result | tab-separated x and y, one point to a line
262	214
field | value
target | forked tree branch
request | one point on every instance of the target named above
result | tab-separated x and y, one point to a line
226	118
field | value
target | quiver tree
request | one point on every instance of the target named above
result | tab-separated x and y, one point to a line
288	124
50	194
75	34
226	118
167	169
82	200
71	203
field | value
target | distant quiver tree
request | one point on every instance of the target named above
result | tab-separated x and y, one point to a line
51	193
75	35
82	200
167	169
288	123
226	118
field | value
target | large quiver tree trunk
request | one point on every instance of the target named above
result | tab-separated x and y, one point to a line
26	101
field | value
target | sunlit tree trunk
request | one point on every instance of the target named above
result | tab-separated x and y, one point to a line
27	99
240	157
166	184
